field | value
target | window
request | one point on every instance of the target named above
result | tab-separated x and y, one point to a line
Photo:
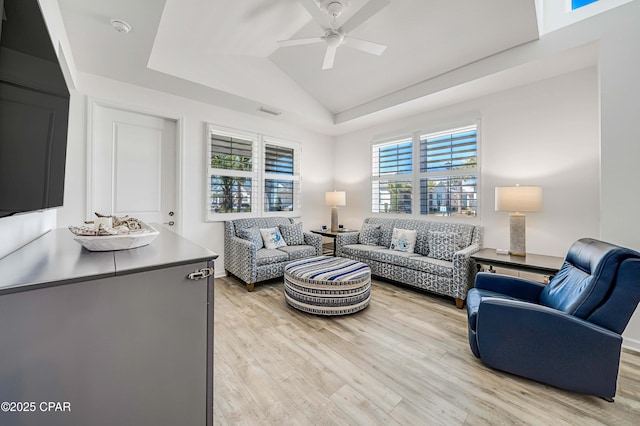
281	178
448	173
575	4
246	171
392	180
443	167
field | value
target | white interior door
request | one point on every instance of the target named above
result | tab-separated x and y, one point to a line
133	166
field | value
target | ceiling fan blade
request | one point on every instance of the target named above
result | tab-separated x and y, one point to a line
365	12
299	41
329	57
365	46
318	15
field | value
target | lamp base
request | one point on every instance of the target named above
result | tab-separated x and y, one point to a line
517	235
334	219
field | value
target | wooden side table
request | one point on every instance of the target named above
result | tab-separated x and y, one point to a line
330	234
534	263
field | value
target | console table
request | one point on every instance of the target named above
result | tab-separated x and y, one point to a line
122	337
534	263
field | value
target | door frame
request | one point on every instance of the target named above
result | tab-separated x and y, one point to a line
92	104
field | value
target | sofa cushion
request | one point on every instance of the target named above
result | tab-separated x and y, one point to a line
369	234
253	235
360	250
442	268
292	234
267	256
442	245
299	251
403	240
272	238
386	229
394	257
252	222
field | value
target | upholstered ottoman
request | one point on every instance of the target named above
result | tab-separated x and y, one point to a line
327	285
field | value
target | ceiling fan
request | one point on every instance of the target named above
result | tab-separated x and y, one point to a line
325	14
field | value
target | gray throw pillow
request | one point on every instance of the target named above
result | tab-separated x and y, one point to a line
369	234
292	234
422	243
442	245
253	235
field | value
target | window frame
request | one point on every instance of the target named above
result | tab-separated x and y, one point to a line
416	175
257	174
396	177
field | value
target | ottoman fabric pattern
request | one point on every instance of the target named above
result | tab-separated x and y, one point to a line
326	285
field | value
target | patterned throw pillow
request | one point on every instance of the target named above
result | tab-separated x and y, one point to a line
422	243
403	240
272	238
292	234
442	245
253	235
369	234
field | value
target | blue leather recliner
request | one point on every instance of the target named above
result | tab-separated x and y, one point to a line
566	334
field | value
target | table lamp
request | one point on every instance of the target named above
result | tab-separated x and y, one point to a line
518	199
335	199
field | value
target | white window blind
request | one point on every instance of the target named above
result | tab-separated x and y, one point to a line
246	170
392	186
449	173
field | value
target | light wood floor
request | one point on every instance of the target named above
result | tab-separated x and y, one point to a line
403	360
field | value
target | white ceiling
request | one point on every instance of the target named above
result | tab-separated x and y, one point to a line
225	51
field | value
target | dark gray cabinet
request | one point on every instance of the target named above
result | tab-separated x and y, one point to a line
122	337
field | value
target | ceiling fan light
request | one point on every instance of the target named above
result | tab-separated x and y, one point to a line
334	39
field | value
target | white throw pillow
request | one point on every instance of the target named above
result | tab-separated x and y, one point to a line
403	240
272	238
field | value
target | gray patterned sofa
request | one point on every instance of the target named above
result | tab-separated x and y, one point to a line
440	261
245	257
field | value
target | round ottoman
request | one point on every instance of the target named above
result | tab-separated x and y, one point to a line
327	285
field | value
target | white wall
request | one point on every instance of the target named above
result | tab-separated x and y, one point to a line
543	134
317	154
620	143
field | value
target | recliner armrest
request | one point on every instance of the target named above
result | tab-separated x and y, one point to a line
511	286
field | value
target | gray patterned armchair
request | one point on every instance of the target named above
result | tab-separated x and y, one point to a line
247	260
440	262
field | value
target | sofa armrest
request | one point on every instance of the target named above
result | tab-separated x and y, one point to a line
548	345
464	271
519	288
314	240
345	239
242	261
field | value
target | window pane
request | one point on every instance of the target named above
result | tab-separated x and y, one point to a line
278	195
230	194
449	196
393	159
449	151
278	159
391	196
575	4
231	153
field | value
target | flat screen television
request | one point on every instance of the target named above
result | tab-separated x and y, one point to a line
34	112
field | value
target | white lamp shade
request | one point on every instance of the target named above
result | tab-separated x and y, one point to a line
518	198
335	198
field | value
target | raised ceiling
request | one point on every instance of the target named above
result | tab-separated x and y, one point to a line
228	48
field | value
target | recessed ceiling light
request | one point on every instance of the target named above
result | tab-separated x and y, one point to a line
121	26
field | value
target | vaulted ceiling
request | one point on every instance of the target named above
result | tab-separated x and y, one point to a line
226	51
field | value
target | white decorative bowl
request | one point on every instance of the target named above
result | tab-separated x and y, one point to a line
118	242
